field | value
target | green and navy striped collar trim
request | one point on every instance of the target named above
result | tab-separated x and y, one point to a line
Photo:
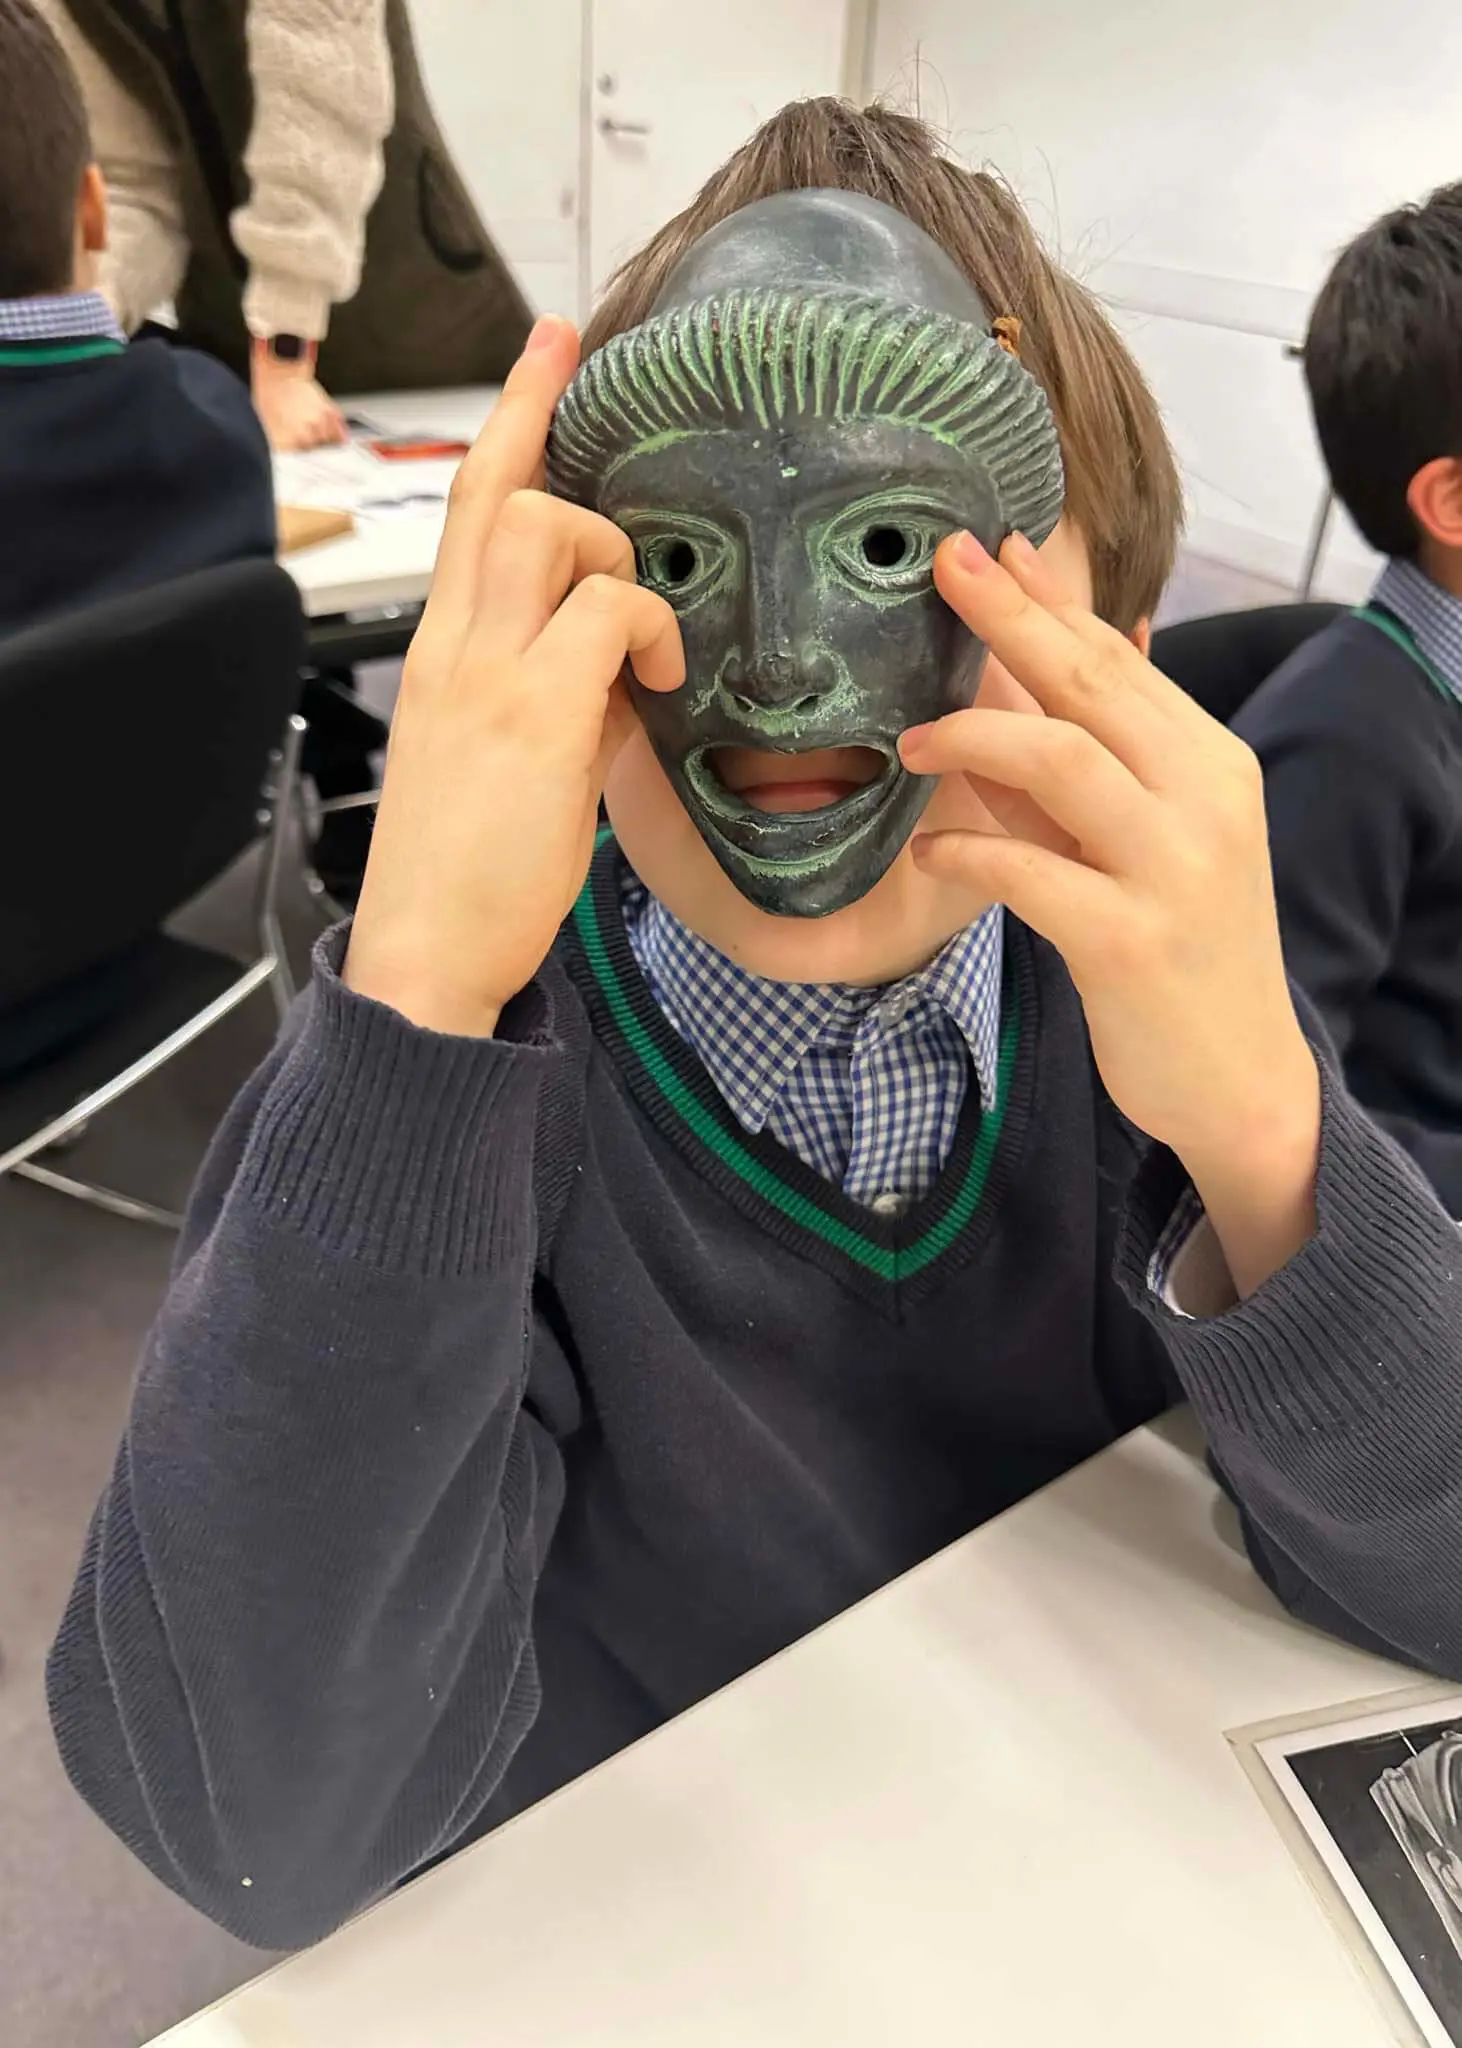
790	1200
1400	634
40	355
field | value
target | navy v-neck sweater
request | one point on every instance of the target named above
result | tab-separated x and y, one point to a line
508	1398
1362	756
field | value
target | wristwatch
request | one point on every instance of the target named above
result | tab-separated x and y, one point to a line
287	348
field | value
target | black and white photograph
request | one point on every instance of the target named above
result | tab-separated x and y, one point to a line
1378	1797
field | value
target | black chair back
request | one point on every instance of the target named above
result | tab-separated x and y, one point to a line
135	738
1221	661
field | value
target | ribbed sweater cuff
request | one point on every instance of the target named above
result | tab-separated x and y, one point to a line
1363	1322
399	1147
276	303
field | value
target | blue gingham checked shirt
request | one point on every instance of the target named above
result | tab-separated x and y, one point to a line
864	1085
1433	615
58	316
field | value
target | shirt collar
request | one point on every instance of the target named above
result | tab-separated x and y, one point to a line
751	1034
58	316
1433	615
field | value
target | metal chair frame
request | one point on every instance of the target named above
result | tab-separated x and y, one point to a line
271	969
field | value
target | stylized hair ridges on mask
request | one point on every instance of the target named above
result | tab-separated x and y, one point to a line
754	360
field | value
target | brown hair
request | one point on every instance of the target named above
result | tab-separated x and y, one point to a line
44	150
1122	489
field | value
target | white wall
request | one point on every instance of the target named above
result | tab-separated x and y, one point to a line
505	78
523	87
1205	161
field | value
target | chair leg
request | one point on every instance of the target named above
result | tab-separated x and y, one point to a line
282	806
98	1197
1315	549
112	1091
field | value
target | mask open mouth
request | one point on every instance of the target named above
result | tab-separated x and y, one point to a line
795	784
780	803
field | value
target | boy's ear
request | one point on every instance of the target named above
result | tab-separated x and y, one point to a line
91	211
1141	637
1434	497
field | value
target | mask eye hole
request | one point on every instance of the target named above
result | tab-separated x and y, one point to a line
883	547
886	547
670	564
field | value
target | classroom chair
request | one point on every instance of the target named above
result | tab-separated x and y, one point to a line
1222	660
150	741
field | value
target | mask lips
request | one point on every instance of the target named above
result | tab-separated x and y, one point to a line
792	835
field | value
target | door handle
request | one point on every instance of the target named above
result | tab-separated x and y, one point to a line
609	124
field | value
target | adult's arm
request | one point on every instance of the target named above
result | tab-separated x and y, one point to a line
298	1655
323	107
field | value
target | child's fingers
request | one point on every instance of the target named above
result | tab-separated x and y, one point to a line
506	457
1038	580
1080	786
1070	675
1021	817
539	548
1067	903
600	625
1035	577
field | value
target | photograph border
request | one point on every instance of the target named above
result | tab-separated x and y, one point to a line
1262	1749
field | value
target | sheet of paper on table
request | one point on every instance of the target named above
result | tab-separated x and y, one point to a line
351	479
1369	1796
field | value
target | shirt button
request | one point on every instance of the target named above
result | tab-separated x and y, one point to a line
889	1203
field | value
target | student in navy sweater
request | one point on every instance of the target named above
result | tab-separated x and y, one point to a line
120	467
1360	733
604	1281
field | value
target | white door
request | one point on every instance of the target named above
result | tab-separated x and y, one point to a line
506	81
676	86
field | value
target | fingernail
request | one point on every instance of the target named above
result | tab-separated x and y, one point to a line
969	554
914	735
1020	549
543	333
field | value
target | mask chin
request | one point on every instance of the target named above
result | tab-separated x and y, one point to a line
803	863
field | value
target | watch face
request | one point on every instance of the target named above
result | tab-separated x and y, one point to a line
290	348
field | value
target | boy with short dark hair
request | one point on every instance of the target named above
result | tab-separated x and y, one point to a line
1360	732
609	1278
120	467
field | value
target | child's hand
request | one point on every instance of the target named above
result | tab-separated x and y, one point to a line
510	712
1135	842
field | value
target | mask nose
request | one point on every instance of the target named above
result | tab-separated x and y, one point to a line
775	680
783	669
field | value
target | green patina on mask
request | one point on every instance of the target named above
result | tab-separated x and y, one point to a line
815	402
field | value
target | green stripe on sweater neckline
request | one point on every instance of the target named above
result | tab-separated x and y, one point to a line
63	352
1402	636
881	1260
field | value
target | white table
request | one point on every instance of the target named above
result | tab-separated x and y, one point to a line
993	1804
385	563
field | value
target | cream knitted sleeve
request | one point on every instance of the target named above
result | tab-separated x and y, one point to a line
323	106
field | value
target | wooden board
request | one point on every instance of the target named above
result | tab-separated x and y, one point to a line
303	526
